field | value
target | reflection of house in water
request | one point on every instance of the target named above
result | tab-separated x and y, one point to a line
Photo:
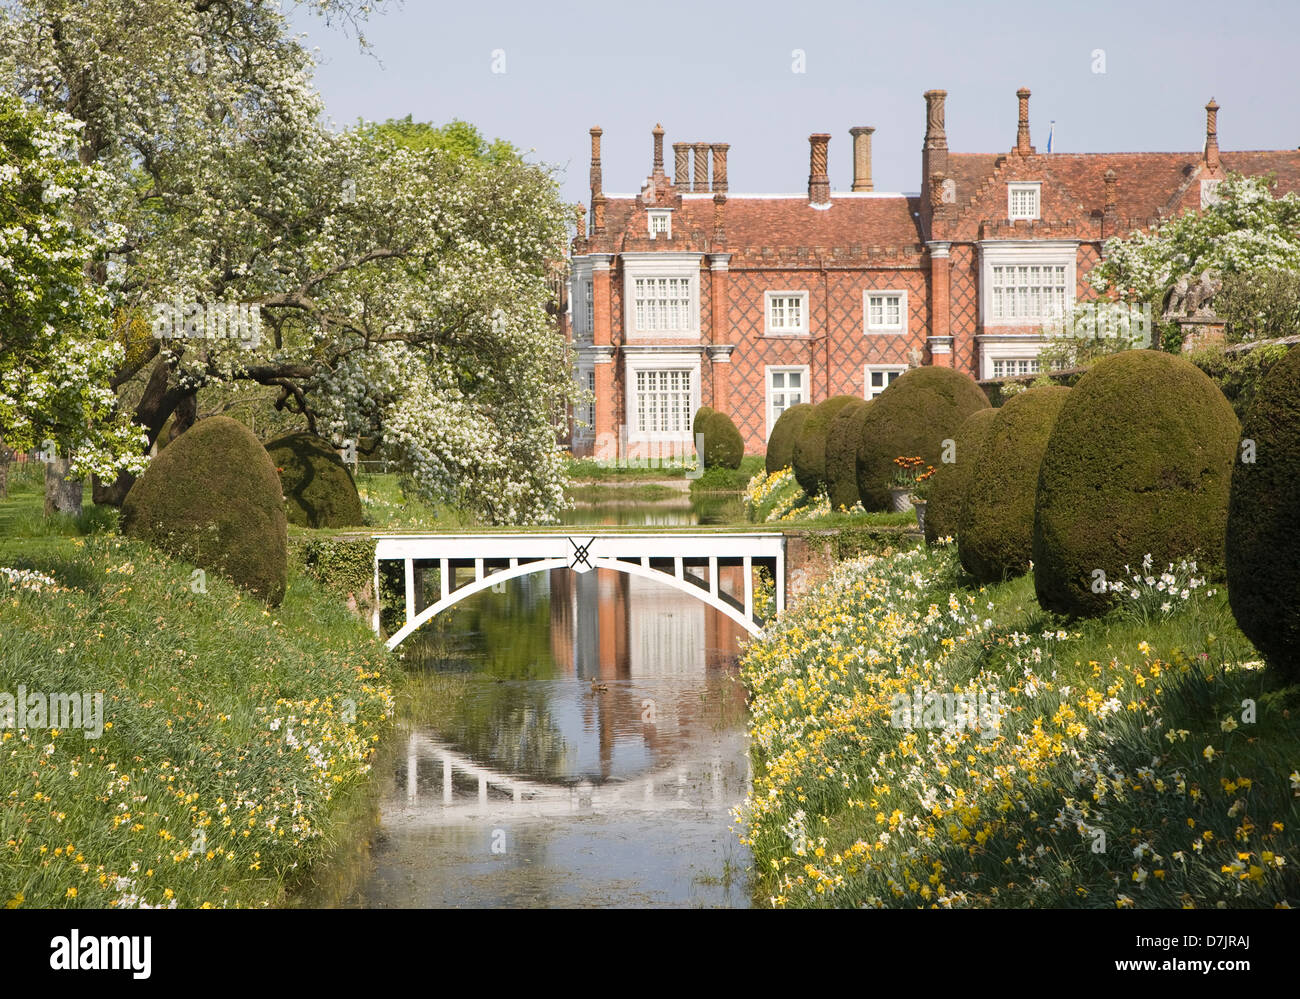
608	626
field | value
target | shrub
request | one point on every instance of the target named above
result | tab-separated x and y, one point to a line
995	534
213	499
948	487
809	455
1263	556
701	414
913	417
1139	463
723	445
780	443
842	454
318	487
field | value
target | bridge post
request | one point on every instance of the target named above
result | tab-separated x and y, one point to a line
408	565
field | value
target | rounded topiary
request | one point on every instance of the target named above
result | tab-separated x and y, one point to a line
701	414
995	533
213	498
913	417
780	443
948	484
842	454
723	445
1139	463
319	490
809	456
1263	547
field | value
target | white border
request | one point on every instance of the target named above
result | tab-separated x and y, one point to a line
867	369
658	361
903	315
768	371
767	312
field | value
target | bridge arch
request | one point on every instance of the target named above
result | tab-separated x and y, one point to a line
646	556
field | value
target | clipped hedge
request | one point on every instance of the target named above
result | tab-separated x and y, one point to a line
780	443
723	445
842	454
1139	463
809	455
914	416
213	499
701	414
1263	546
319	490
948	485
995	534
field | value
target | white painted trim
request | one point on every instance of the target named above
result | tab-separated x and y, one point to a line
657	265
658	360
902	312
1022	185
803	195
1006	347
867	369
768	371
768	295
1013	252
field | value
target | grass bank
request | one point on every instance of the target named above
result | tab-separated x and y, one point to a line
236	740
1143	759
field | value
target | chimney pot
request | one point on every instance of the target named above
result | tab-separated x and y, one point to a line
1022	128
819	184
720	166
1212	135
701	181
681	166
861	157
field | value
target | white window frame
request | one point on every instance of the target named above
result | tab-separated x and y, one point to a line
884	327
583	283
589	306
769	329
663	215
768	389
660	361
1025	187
585	428
1024	252
887	369
665	265
1030	364
1007	347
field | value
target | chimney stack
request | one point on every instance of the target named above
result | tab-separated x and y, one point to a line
719	223
819	184
658	167
681	167
935	136
580	216
1212	135
1110	211
701	181
596	182
861	157
720	167
1022	128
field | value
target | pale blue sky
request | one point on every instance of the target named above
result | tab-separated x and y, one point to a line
717	71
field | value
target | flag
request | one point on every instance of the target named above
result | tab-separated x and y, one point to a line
1050	133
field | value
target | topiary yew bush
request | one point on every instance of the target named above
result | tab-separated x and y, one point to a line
701	414
809	456
723	445
913	417
1139	463
948	484
319	490
842	454
995	533
1263	546
213	499
780	443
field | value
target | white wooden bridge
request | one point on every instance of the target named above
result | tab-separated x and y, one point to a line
691	562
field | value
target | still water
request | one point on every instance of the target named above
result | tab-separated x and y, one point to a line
586	751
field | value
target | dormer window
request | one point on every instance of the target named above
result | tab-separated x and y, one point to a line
661	224
1022	201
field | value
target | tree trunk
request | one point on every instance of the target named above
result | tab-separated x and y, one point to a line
151	412
62	495
4	476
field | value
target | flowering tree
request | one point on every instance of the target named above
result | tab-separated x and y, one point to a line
56	361
403	287
1247	231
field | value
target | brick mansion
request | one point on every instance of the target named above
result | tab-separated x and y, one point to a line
689	294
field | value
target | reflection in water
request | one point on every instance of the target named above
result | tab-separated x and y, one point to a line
592	760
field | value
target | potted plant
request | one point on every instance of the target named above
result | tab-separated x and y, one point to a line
911	486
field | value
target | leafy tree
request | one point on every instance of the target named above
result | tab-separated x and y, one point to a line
1247	232
401	271
1260	306
56	357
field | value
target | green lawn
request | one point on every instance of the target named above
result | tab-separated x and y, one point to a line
1138	760
236	739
